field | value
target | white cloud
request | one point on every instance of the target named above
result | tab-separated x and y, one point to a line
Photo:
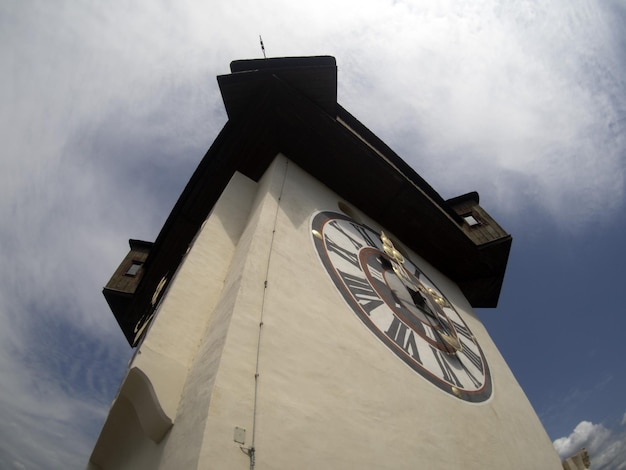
523	102
107	107
585	434
607	450
56	385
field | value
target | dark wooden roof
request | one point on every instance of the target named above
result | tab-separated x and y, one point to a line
314	77
289	105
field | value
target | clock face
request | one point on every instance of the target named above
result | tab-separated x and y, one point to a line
401	306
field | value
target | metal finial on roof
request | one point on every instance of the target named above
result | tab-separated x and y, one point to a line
262	46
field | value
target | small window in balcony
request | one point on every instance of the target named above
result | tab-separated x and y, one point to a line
471	220
134	269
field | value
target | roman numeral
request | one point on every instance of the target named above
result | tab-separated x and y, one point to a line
446	371
365	234
362	291
467	371
347	255
472	356
398	333
358	242
462	329
376	273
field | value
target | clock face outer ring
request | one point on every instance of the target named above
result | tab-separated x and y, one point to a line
466	384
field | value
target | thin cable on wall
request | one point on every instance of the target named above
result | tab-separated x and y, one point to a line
251	450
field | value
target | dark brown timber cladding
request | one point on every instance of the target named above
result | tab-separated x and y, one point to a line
295	112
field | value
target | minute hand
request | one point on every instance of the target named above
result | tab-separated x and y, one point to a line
425	301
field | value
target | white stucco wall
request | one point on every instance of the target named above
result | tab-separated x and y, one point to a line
329	394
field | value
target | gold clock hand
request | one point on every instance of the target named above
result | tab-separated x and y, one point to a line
427	294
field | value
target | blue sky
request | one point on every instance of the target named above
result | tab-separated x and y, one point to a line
108	107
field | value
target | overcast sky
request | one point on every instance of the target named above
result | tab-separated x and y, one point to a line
107	107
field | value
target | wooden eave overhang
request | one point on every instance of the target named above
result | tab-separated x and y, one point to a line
269	113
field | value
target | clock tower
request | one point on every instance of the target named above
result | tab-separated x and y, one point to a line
309	304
